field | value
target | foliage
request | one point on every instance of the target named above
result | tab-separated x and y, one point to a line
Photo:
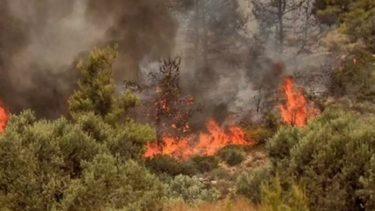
61	165
239	204
356	18
108	184
259	133
356	77
249	184
191	190
88	164
165	164
274	199
96	88
232	155
330	155
205	163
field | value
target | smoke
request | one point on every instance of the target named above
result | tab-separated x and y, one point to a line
41	41
141	28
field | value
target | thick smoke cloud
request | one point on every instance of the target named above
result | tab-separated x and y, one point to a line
141	28
41	41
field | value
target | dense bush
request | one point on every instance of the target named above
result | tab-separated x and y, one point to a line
355	78
191	190
330	155
232	155
249	185
275	199
164	164
205	163
50	165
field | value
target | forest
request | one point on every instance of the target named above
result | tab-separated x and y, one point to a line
187	105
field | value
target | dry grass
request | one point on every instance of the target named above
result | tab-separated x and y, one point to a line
238	205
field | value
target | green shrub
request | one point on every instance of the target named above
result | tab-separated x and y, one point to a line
205	163
232	155
330	155
249	184
164	164
356	79
191	190
108	184
219	173
275	199
53	165
259	133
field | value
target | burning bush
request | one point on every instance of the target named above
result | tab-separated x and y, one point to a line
297	111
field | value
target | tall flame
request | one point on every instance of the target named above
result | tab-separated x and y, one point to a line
296	111
203	144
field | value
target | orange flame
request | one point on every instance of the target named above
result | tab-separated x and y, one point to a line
296	111
204	144
4	116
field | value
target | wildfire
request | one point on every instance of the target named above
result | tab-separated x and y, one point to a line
203	144
4	116
296	111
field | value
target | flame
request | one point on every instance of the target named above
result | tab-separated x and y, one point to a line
4	116
203	144
296	111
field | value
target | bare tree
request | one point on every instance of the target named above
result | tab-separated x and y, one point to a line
288	26
214	30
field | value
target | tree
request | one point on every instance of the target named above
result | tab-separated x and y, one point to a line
286	26
169	109
96	88
214	31
356	18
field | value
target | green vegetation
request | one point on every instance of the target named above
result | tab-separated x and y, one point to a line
94	159
163	164
355	17
330	155
191	190
249	185
232	155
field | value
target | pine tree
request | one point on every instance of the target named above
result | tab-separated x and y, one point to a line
356	18
96	88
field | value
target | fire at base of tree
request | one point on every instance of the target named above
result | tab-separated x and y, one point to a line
169	110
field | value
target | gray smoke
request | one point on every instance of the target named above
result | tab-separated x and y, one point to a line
41	41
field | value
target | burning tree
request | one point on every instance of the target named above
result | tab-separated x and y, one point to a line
170	110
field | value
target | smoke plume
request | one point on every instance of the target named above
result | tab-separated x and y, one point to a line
41	41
